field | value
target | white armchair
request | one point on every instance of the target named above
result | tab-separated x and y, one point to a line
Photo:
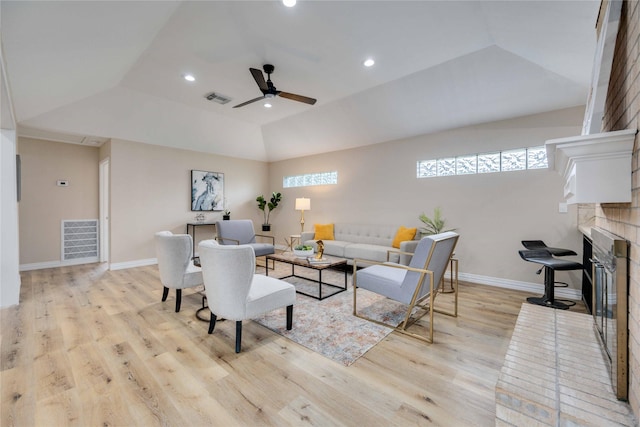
177	271
233	289
415	285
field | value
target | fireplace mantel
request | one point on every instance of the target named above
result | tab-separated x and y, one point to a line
596	168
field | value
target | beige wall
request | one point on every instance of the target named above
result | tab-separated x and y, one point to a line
492	212
377	184
150	191
44	205
622	111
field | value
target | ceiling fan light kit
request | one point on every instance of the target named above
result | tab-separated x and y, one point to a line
269	90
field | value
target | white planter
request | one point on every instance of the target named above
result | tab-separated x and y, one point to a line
303	254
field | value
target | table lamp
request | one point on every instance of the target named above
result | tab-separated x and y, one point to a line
302	204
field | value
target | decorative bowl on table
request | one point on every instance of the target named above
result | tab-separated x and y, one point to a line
303	251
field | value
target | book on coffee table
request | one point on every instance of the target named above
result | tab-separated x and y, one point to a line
322	260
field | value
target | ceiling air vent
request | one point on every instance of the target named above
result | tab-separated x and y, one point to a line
216	97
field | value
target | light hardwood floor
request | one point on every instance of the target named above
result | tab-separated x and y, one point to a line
91	347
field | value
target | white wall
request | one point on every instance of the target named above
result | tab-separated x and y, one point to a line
9	262
9	266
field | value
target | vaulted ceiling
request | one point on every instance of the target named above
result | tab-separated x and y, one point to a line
114	69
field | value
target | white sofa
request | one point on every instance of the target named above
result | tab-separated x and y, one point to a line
369	242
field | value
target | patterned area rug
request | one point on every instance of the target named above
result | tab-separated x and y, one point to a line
329	327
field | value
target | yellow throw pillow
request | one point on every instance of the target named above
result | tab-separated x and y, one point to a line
402	235
323	231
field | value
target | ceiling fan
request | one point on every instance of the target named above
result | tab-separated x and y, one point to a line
269	90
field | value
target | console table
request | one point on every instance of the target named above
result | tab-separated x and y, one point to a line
192	226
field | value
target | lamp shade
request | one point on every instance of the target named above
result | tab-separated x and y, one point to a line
303	204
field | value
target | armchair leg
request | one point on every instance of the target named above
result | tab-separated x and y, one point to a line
238	335
212	323
289	317
165	293
178	299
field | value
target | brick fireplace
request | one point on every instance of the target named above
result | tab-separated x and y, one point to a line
622	111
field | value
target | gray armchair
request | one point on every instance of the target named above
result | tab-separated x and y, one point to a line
415	285
241	232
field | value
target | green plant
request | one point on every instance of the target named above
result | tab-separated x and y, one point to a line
433	225
267	207
227	212
303	248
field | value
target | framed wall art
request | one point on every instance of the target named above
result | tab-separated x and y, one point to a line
207	191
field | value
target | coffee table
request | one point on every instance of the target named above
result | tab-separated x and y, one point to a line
332	262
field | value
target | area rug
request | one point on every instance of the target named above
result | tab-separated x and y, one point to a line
329	327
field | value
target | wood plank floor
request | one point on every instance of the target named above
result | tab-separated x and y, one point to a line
91	347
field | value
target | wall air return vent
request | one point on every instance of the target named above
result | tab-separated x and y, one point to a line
80	241
219	98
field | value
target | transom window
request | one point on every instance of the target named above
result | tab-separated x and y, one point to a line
499	161
309	179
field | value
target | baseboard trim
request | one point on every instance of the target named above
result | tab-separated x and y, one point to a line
536	288
55	264
132	264
40	265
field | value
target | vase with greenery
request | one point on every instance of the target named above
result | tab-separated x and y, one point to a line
267	206
226	215
433	225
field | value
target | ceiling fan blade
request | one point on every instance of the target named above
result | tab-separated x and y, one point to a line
298	98
249	102
259	78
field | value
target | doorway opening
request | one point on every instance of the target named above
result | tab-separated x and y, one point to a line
104	210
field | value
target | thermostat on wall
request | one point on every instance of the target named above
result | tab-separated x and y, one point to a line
63	183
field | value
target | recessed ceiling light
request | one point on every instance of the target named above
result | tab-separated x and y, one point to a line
189	78
289	3
267	105
369	62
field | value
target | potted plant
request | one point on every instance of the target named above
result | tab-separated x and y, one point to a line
267	207
303	251
433	225
226	215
